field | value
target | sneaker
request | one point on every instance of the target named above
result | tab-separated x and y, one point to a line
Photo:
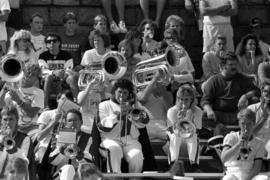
122	27
114	28
195	168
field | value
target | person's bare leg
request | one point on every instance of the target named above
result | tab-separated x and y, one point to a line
107	5
120	6
160	7
145	8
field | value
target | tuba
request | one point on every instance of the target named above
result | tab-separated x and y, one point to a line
11	68
114	65
146	70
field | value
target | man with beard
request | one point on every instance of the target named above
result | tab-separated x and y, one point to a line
225	93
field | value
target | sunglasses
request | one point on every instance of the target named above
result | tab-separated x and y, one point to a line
51	40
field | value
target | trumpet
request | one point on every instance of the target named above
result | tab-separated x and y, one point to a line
11	68
6	138
138	116
244	148
71	151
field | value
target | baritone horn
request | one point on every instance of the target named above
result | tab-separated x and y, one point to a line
11	68
146	70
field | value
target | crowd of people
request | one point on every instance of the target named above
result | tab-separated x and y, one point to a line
71	101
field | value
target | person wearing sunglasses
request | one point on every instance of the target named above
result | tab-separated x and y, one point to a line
56	66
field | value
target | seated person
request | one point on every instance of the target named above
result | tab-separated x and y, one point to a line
89	171
69	151
46	126
224	94
119	131
57	68
28	98
184	111
21	145
17	169
242	152
156	100
211	59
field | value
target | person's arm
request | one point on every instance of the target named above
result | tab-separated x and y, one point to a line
229	153
212	11
182	78
143	96
206	65
231	11
82	96
262	119
256	168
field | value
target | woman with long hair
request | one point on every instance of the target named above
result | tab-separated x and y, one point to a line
21	46
249	54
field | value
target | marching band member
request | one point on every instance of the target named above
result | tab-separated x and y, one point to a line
17	169
184	119
66	152
120	131
14	143
242	152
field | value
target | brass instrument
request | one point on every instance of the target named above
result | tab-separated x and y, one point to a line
184	126
146	70
244	147
6	138
11	68
137	115
113	66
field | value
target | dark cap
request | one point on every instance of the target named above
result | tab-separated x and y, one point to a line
255	22
68	16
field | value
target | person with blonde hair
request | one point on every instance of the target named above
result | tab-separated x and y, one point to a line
177	23
17	169
20	45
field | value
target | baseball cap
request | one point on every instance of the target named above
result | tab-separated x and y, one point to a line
255	22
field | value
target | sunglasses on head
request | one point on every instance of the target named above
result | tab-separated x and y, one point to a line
51	40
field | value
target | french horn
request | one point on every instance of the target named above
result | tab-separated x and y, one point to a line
146	70
11	68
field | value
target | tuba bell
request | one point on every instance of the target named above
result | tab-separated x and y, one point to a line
146	70
11	69
114	65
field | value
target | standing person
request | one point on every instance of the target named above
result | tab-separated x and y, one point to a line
184	111
145	8
242	152
21	46
249	55
37	38
120	5
73	40
217	20
4	13
193	5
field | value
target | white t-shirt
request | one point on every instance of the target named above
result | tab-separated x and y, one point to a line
39	44
216	19
92	57
27	58
4	8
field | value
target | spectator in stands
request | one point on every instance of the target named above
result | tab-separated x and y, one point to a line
211	59
126	47
101	42
118	134
101	24
59	156
193	5
17	169
21	46
23	145
177	23
156	100
145	8
73	40
56	66
242	152
184	113
37	38
256	26
225	93
46	126
28	98
217	20
249	55
135	36
5	11
149	45
120	5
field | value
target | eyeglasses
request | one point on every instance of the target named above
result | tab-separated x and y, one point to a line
51	40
